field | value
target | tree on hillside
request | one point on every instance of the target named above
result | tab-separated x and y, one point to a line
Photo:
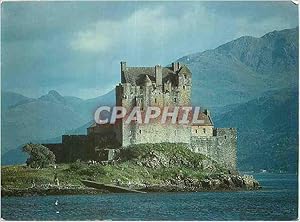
39	155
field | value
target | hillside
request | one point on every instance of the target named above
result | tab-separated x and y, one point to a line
9	99
243	69
267	131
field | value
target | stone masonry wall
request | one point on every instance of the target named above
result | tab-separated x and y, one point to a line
202	131
155	133
129	96
221	147
77	147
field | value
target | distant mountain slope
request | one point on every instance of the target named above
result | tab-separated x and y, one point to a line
89	106
9	99
36	120
17	156
267	131
273	53
243	69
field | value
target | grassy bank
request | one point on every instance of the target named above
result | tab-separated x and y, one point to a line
139	166
142	164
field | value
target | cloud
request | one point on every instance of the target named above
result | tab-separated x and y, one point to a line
91	42
159	31
150	35
76	47
142	26
245	27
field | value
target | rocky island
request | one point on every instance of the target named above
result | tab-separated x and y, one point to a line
146	167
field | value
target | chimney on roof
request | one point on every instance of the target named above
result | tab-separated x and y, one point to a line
207	112
147	81
158	75
123	66
175	66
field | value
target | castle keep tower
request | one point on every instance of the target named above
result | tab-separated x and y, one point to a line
166	87
153	86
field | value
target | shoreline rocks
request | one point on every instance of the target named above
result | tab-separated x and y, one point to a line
178	184
218	183
39	191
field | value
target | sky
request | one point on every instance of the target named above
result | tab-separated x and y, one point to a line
75	48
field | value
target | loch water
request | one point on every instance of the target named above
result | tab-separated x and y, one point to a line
278	200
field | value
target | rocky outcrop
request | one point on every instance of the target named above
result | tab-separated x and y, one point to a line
157	158
196	172
210	183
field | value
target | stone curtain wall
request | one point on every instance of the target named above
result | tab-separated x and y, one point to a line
221	147
77	147
155	133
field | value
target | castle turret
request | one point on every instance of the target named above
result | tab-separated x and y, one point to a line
175	66
158	75
123	66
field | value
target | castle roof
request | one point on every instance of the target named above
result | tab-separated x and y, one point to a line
185	70
207	121
136	75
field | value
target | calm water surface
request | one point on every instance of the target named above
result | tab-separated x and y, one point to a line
277	201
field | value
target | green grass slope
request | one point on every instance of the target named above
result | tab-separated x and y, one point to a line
137	165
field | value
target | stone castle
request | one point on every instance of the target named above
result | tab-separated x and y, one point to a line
151	86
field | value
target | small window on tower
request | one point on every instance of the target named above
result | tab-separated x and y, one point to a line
204	130
155	100
140	131
196	131
183	87
175	100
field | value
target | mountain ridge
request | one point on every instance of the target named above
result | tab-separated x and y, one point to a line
238	67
